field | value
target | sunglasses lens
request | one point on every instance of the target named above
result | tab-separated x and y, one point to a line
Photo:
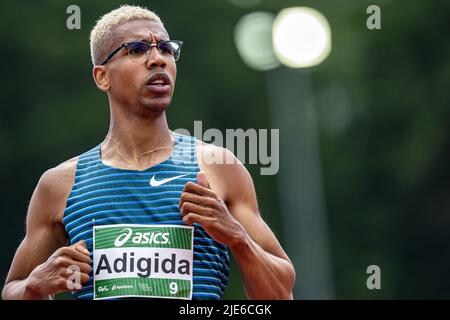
138	51
170	48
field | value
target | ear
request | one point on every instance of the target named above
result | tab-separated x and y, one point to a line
101	78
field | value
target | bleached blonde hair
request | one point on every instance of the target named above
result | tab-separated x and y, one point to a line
101	33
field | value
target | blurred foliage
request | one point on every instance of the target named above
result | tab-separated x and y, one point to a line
381	97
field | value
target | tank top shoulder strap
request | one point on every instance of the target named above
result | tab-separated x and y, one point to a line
185	150
89	159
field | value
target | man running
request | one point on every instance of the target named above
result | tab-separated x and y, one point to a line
144	214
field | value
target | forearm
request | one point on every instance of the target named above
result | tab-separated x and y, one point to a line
265	276
22	290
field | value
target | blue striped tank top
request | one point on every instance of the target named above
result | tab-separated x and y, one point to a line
103	195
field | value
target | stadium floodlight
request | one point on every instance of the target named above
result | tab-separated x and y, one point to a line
297	38
253	40
301	37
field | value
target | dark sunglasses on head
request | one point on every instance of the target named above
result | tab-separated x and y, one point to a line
139	51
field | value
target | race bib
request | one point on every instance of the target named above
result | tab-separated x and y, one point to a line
147	261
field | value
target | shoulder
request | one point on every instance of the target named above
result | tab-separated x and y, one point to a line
57	178
53	189
227	174
213	155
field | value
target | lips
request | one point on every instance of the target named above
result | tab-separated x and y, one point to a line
158	79
158	83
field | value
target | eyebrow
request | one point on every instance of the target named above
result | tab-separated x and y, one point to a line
157	41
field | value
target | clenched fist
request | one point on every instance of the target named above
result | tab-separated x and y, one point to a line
58	273
199	204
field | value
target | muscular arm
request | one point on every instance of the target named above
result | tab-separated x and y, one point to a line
44	235
266	270
225	205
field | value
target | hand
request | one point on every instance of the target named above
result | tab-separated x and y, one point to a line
199	204
52	276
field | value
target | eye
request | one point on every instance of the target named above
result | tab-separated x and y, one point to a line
137	49
166	47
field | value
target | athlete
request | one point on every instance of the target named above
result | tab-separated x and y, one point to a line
146	175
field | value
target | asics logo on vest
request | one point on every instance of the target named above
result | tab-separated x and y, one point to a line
141	237
155	183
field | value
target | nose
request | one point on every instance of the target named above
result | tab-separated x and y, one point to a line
155	59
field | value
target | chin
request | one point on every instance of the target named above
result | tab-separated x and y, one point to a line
155	107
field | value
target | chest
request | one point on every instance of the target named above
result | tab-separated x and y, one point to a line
116	197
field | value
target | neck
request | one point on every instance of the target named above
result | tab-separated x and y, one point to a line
133	138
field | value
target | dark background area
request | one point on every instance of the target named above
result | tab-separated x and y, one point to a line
382	103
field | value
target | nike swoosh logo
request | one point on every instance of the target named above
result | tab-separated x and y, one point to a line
156	183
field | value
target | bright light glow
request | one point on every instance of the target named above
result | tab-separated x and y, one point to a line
301	37
253	39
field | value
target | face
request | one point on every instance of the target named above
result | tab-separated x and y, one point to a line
130	84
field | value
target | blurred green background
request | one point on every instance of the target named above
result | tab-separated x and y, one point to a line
382	114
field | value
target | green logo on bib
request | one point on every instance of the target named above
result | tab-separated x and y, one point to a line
153	261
